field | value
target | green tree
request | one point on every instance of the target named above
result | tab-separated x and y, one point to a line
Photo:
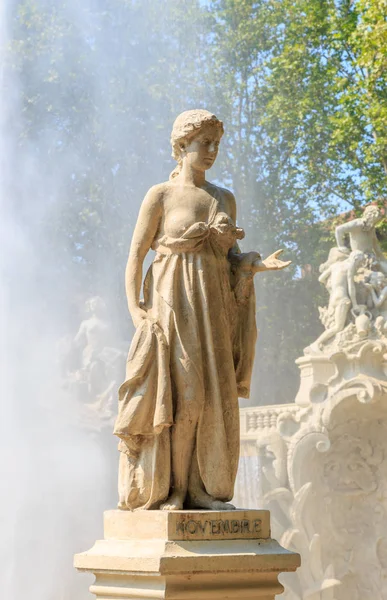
306	140
300	85
100	85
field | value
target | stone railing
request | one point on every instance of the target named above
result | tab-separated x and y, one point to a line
258	418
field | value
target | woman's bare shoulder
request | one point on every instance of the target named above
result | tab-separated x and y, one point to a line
155	195
228	198
158	190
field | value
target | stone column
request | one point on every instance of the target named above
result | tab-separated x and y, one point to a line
186	555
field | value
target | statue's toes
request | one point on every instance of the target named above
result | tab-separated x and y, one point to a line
218	505
175	502
169	506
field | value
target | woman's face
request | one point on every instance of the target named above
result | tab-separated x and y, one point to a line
202	151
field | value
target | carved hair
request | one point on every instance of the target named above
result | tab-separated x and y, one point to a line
371	215
187	125
356	256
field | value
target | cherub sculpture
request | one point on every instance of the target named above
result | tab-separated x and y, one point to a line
362	236
341	276
355	278
376	281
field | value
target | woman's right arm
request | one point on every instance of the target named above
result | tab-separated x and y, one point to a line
145	231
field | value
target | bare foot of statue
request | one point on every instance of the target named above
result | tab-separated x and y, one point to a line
174	502
202	500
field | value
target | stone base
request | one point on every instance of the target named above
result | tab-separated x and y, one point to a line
187	555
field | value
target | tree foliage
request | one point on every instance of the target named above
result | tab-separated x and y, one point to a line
300	86
305	98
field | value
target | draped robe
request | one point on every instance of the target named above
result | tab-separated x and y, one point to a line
196	346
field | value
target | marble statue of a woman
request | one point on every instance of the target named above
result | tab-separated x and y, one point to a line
192	353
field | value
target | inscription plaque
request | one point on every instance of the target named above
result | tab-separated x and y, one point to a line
188	525
218	526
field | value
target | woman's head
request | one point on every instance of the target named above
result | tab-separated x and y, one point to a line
197	132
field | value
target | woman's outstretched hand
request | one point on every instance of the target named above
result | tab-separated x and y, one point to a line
273	263
252	262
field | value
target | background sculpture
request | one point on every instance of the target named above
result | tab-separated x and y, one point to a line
193	350
322	459
92	363
362	237
355	278
341	277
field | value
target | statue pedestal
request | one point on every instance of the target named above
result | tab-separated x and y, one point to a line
187	554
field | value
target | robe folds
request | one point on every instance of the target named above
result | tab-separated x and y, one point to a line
193	354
